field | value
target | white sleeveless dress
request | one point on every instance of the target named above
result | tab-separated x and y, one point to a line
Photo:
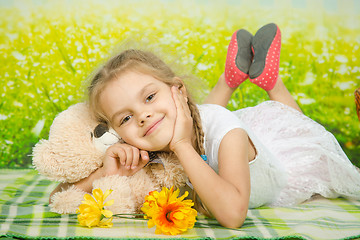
296	156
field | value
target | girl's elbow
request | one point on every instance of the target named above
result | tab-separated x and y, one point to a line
233	223
234	218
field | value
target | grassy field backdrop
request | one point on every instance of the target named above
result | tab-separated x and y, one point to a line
48	49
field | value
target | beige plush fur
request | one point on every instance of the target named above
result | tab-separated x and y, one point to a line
67	201
70	155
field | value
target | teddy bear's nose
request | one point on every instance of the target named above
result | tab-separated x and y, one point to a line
100	129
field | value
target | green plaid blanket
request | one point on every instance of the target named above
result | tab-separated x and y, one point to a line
25	214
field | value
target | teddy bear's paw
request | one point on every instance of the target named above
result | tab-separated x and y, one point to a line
121	194
173	175
67	201
141	184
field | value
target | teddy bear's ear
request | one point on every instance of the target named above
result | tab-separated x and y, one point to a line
69	155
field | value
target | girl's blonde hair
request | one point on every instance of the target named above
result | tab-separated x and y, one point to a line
146	63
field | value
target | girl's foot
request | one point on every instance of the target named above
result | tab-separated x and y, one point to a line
238	59
266	44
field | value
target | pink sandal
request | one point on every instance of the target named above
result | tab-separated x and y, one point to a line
266	44
238	59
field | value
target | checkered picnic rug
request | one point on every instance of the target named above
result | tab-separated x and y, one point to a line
25	214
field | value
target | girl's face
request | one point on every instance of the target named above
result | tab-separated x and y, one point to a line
141	110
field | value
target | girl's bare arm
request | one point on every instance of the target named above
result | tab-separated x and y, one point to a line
226	194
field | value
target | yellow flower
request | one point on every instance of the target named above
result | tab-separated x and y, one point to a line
92	212
170	214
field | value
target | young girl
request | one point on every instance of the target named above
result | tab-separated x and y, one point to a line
269	154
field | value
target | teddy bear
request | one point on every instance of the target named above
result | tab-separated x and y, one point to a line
76	148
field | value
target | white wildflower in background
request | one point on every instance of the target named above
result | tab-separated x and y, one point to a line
345	85
3	117
342	69
310	78
169	39
79	60
306	101
12	36
325	54
347	111
18	56
341	58
355	69
30	95
18	104
38	127
202	67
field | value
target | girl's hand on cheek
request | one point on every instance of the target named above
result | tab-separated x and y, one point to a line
124	160
183	123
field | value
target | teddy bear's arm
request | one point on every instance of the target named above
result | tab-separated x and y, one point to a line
84	184
59	188
67	200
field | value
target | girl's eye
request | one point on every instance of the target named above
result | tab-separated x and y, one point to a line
150	97
125	119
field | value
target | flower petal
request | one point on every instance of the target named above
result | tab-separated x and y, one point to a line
89	200
107	213
168	212
150	223
107	193
106	223
109	203
91	211
184	196
179	215
98	195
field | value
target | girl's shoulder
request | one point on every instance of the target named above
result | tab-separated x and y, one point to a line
217	119
211	112
212	109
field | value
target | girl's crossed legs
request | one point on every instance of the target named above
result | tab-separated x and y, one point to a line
222	93
246	57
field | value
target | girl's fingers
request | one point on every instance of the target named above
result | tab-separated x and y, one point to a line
129	157
183	100
121	155
135	159
126	159
144	156
175	96
180	100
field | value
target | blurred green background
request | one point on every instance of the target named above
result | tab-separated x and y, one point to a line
49	48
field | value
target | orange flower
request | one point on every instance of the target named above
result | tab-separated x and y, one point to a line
170	214
92	212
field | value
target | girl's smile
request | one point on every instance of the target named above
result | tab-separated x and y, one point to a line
141	109
153	127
